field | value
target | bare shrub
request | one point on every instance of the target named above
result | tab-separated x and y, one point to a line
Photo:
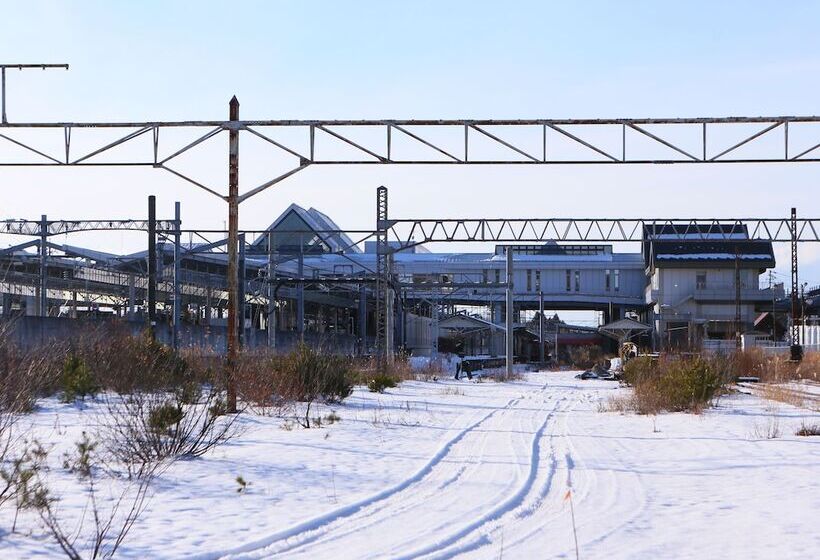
122	362
111	519
808	430
307	375
144	428
27	374
768	428
274	383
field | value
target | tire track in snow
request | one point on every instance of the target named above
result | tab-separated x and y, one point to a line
517	505
317	523
510	504
375	516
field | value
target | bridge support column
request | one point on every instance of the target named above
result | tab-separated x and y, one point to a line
510	337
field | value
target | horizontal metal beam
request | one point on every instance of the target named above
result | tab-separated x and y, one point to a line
56	227
412	232
500	142
416	122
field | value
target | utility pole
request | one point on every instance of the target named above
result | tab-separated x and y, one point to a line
774	315
152	265
3	68
177	276
541	327
233	269
271	321
738	340
509	313
43	303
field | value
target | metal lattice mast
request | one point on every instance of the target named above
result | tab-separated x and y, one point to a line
383	323
796	349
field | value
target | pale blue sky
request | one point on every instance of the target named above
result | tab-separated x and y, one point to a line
184	60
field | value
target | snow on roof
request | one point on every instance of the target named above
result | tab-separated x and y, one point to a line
706	236
713	256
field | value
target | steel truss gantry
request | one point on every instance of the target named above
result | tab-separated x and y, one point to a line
410	232
500	139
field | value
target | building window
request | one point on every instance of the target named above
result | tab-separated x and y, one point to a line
569	280
529	280
606	283
537	280
577	280
700	281
617	280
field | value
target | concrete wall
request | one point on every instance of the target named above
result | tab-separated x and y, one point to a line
31	331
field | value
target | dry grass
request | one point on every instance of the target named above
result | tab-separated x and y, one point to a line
808	430
782	394
768	428
775	368
620	404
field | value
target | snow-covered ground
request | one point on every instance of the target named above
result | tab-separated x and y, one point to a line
476	470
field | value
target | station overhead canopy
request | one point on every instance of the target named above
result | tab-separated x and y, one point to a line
624	329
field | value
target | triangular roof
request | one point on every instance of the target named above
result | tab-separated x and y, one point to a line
310	221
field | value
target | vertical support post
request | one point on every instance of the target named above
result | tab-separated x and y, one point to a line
738	319
3	92
233	268
509	338
152	265
271	322
43	304
389	313
177	276
434	342
209	291
74	304
241	305
300	294
541	327
362	320
796	350
132	297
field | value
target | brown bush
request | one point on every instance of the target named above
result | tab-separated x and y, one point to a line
27	373
675	383
124	363
770	368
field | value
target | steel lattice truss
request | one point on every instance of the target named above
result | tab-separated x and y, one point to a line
410	232
422	142
56	227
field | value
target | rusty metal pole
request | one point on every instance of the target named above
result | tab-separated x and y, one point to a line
233	255
152	266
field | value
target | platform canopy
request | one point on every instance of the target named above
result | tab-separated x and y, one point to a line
624	329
